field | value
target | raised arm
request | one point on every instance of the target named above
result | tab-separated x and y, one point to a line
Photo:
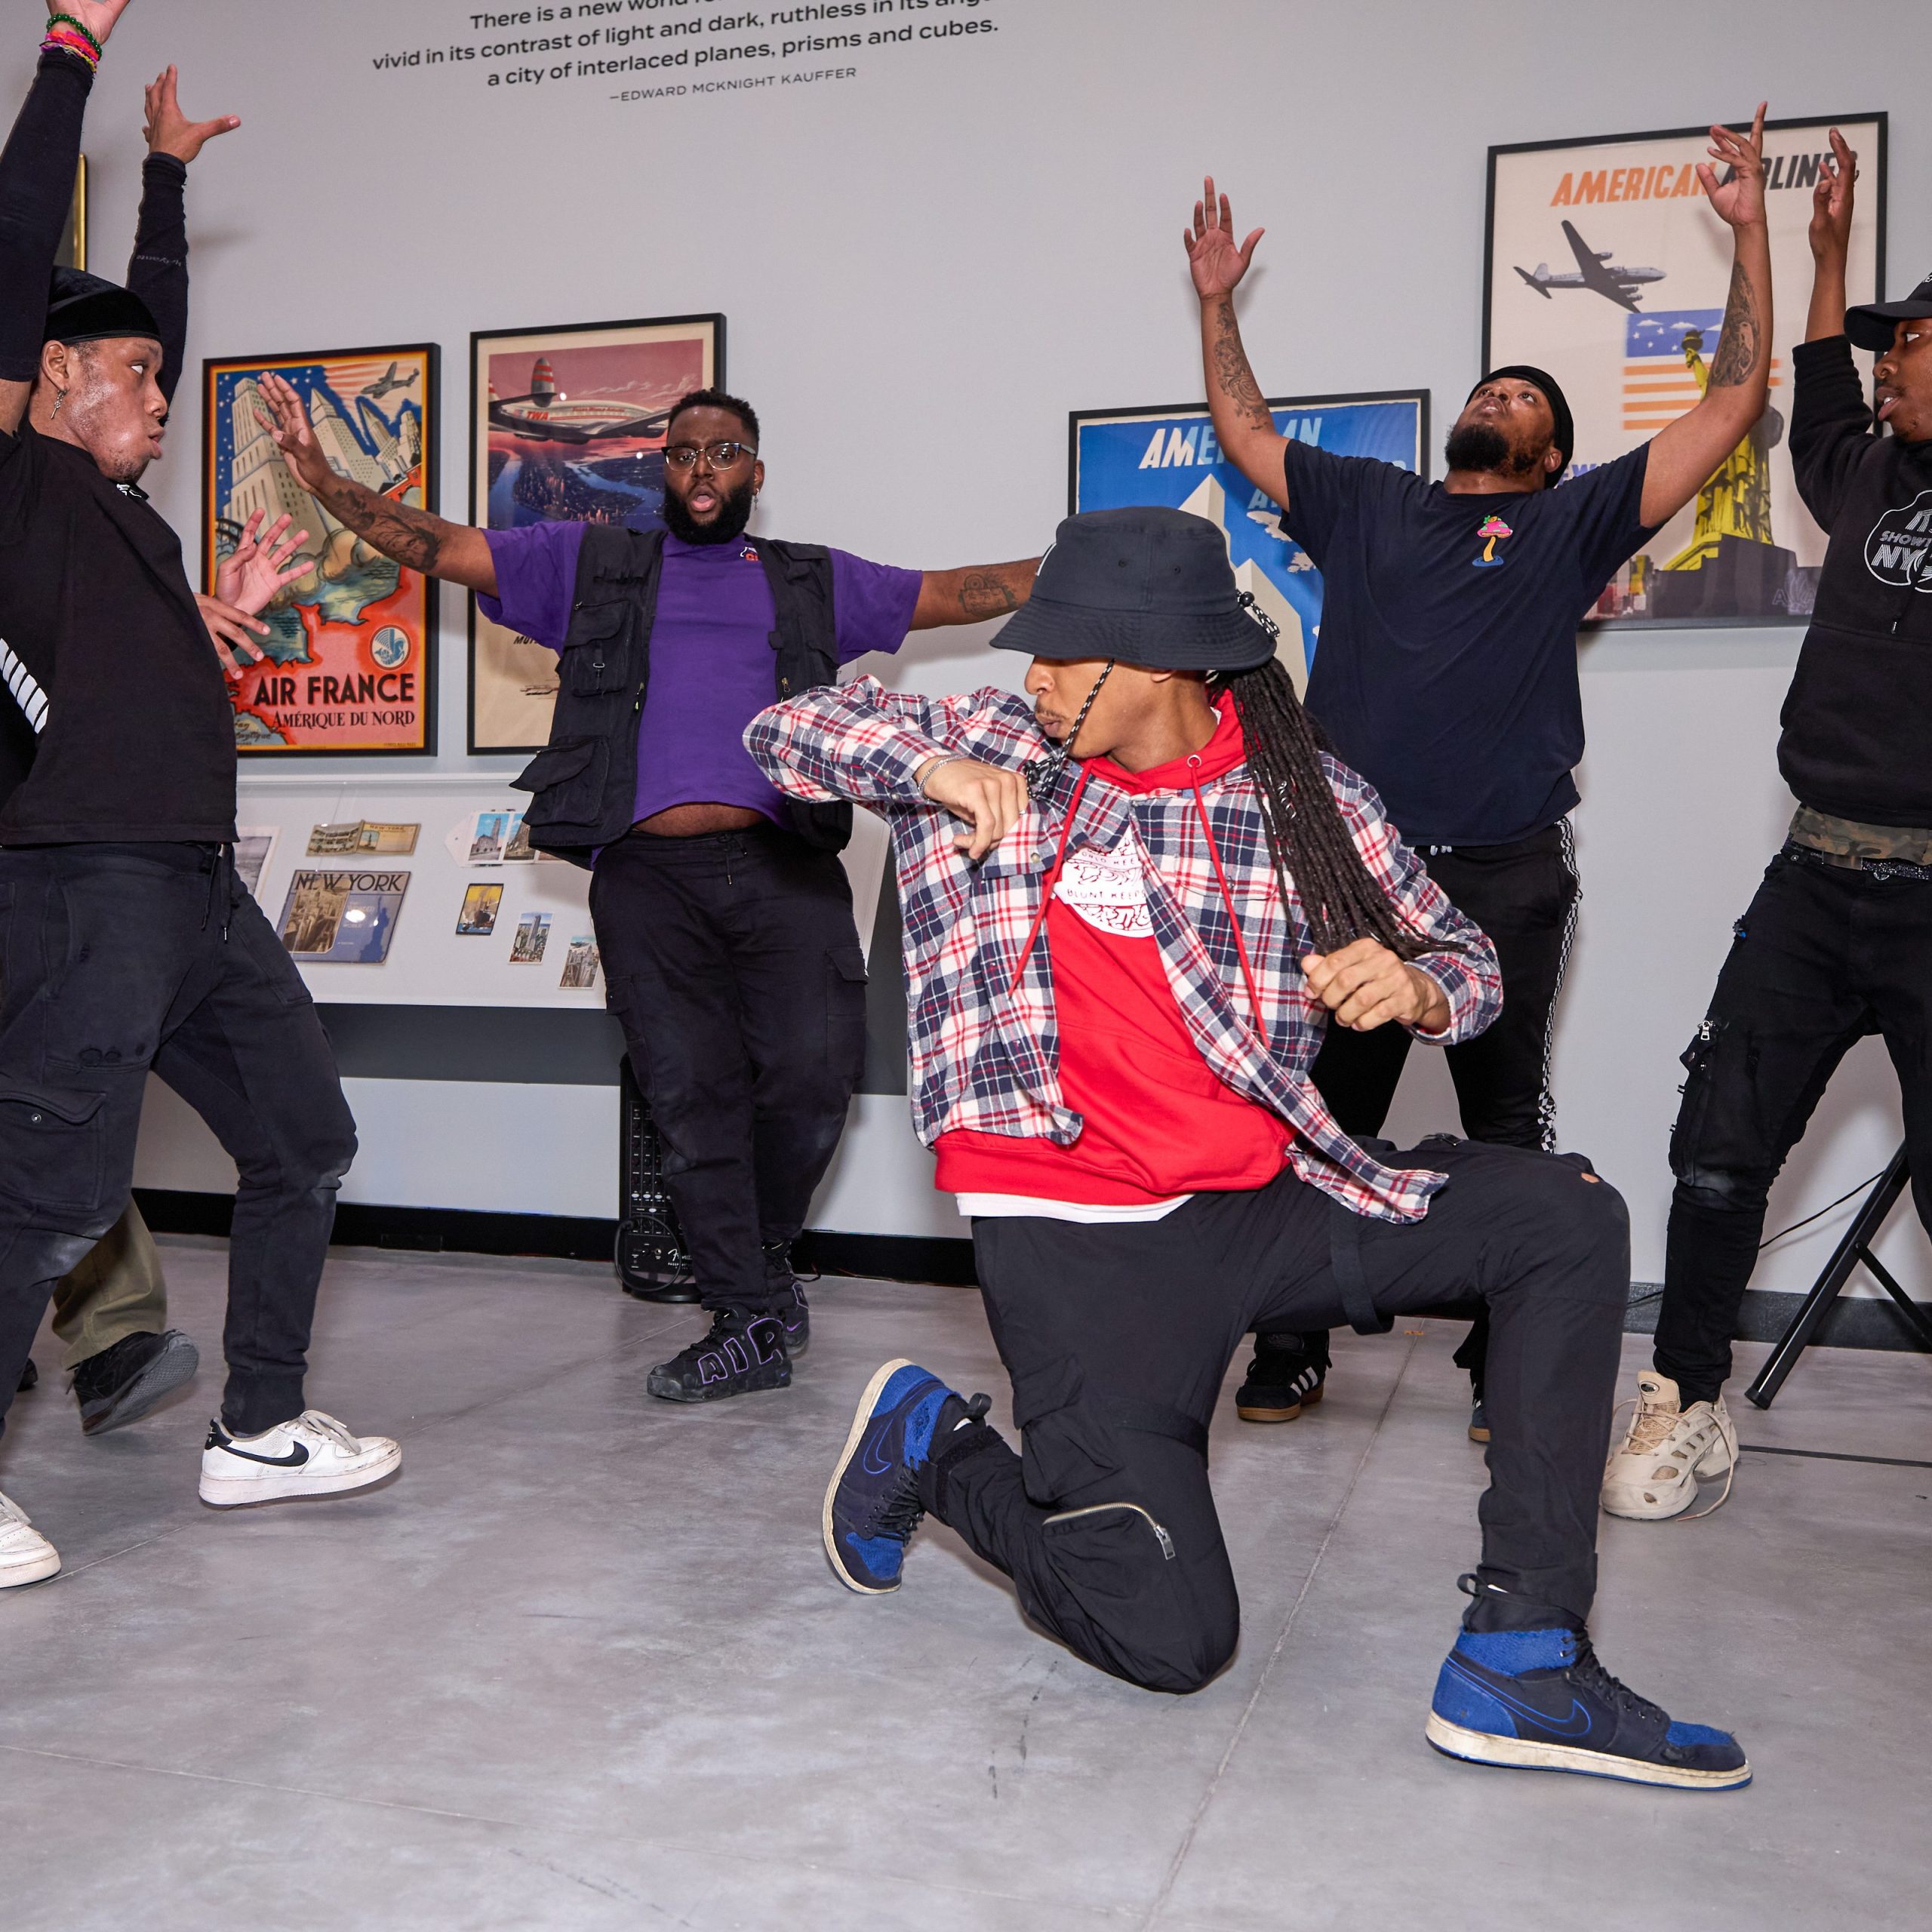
1830	237
1243	423
416	538
158	269
1682	456
973	594
1831	415
36	190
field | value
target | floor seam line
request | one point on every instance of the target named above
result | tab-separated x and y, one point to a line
1186	1844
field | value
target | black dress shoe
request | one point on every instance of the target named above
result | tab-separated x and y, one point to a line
122	1383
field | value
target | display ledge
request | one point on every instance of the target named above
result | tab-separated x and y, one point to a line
927	1259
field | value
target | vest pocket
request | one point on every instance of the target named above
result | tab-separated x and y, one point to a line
567	779
593	669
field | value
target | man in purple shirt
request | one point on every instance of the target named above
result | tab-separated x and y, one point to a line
723	915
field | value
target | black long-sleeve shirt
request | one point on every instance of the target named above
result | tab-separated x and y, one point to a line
115	724
1857	738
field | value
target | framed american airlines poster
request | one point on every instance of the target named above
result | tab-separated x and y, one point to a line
1605	264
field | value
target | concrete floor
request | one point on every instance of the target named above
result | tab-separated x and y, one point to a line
582	1667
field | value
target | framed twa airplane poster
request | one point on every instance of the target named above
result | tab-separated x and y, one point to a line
566	426
1606	265
348	665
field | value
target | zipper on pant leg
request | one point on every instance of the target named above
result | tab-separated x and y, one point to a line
1161	1536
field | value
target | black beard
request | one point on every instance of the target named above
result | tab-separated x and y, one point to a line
727	527
1481	446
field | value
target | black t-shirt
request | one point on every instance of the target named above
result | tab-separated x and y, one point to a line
1446	670
114	722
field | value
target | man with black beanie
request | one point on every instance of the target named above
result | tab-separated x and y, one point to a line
1447	672
127	942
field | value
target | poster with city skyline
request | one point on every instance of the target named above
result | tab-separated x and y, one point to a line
566	426
348	665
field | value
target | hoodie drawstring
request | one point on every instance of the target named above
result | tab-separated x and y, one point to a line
1047	887
1227	897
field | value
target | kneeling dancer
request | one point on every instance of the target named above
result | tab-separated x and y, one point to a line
1117	987
126	941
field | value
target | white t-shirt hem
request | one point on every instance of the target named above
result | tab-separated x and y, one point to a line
1008	1207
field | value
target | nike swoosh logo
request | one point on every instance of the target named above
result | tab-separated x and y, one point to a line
867	1456
295	1457
1576	1724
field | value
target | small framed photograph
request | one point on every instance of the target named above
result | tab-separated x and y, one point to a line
566	426
480	904
347	668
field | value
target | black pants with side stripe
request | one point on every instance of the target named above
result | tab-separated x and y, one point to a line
1524	897
1118	1338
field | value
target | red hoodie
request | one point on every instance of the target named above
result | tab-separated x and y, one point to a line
1158	1121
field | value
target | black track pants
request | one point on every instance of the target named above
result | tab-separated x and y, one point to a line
733	964
1824	956
118	958
1117	1339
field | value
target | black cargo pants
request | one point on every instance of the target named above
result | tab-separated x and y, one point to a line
1825	956
118	958
1117	1338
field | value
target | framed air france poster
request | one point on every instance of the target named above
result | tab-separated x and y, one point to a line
567	424
1605	264
1169	455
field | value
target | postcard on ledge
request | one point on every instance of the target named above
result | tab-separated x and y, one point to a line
343	918
480	904
356	837
533	935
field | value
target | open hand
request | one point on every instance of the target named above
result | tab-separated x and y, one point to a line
1215	260
1830	231
288	422
232	633
990	800
1365	985
254	572
169	131
1741	201
97	16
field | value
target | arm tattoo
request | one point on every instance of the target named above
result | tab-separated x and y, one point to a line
412	537
1232	375
1738	348
986	593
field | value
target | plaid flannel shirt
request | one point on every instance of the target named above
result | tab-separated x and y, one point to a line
985	1052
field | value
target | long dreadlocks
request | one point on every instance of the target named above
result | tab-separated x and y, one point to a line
1308	838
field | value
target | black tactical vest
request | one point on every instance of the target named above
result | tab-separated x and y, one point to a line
585	779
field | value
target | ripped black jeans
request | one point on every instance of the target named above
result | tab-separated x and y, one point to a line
117	959
1824	956
1117	1338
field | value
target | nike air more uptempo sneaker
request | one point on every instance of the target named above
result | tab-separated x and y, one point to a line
738	1354
871	1503
1539	1700
313	1455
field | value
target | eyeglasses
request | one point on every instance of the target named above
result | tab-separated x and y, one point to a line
719	456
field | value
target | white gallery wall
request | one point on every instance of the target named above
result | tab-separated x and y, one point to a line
925	263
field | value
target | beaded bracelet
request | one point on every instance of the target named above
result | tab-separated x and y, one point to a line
59	41
79	27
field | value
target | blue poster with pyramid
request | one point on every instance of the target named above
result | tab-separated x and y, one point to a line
1126	456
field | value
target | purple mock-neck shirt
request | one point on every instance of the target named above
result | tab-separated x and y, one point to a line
711	663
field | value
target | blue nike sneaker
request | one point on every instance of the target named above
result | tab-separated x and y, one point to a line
871	1504
1540	1700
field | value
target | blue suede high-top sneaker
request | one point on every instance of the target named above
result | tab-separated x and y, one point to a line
1540	1700
871	1503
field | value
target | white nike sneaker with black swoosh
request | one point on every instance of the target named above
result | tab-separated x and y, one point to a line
314	1455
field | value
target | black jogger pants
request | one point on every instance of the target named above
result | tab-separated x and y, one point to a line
1117	1339
118	958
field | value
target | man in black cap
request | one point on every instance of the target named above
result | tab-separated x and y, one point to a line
1447	672
1167	892
1837	943
126	941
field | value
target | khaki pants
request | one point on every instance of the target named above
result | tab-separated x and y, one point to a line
118	1291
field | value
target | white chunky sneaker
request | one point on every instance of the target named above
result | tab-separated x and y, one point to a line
314	1455
1653	1473
26	1555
